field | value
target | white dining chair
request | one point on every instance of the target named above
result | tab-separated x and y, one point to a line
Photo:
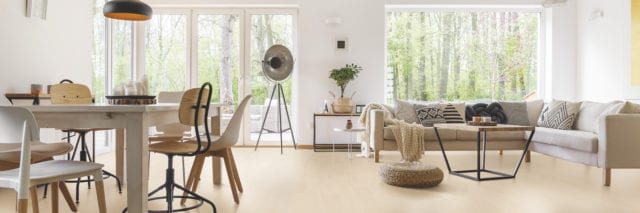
16	120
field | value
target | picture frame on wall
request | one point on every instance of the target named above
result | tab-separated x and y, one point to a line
37	9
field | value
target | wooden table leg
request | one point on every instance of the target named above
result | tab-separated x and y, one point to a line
137	157
120	154
215	161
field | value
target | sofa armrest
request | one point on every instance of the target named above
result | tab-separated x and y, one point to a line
376	134
619	141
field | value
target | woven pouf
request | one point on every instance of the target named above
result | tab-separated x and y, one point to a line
411	174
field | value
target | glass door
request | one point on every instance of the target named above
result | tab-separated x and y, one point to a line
267	28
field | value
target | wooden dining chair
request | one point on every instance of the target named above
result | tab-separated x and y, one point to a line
68	93
221	147
19	124
173	131
193	111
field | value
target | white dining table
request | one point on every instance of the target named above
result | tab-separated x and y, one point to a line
131	123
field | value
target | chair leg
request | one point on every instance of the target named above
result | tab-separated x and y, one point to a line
67	196
376	155
34	199
194	175
23	205
527	157
232	183
54	197
235	170
501	152
606	176
102	205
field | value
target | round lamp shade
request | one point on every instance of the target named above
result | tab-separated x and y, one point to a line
278	63
131	10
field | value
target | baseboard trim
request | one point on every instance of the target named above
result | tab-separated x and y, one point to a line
301	146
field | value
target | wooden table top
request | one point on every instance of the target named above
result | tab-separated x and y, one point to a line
26	95
500	127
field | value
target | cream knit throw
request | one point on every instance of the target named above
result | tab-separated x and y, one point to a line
364	119
410	140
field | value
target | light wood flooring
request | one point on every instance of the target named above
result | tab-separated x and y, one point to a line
304	181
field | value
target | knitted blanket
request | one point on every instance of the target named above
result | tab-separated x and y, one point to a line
410	140
364	119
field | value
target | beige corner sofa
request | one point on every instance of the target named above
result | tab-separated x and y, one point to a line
606	135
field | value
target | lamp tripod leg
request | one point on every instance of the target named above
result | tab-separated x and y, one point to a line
264	119
286	110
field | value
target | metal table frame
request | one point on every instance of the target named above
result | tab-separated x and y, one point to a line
481	162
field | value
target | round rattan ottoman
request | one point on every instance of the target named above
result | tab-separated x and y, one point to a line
411	174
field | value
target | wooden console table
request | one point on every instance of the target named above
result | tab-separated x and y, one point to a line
323	125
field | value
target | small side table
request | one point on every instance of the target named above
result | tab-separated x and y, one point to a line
350	131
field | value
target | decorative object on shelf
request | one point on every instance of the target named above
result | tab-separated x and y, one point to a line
349	125
343	76
130	10
325	108
482	123
36	89
359	108
131	99
37	9
277	67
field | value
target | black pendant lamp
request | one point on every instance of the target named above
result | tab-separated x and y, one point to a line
131	10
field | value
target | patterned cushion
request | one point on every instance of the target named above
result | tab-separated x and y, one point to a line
429	114
559	115
493	110
451	114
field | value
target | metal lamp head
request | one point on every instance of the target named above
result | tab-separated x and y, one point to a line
278	63
131	10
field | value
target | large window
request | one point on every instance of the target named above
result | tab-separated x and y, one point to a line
182	48
466	55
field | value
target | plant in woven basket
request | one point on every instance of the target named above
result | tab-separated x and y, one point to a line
343	76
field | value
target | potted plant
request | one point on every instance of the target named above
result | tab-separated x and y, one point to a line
343	76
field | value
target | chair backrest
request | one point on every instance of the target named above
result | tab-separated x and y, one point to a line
193	111
70	93
11	119
18	121
173	128
230	135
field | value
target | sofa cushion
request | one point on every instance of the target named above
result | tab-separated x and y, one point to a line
493	110
405	111
589	114
570	139
559	115
491	136
453	112
429	134
516	112
534	108
429	114
630	108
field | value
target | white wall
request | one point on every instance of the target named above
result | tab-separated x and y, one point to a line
561	54
61	45
44	51
604	51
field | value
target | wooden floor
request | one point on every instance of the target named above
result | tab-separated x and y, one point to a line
304	181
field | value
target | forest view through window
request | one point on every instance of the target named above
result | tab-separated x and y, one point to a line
462	55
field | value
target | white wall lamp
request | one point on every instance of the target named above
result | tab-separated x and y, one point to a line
333	21
596	14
